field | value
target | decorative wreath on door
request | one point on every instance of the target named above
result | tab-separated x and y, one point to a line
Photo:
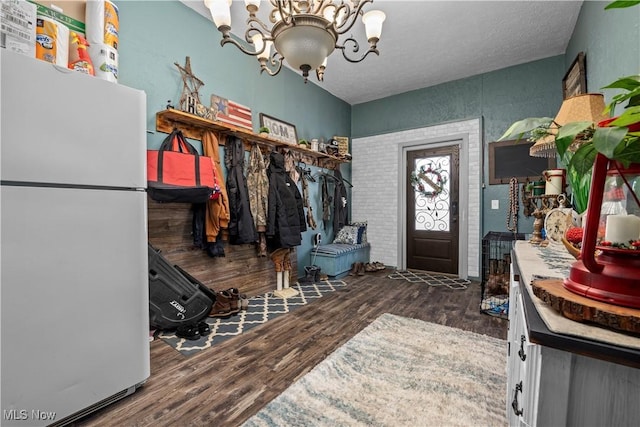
428	180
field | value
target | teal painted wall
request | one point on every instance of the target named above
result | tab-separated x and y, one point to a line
500	98
610	40
156	34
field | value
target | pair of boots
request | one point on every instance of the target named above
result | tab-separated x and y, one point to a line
228	303
357	268
193	332
215	249
311	274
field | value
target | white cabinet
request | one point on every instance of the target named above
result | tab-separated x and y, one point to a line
549	386
537	392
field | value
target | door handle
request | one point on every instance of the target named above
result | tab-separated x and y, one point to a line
514	402
521	353
454	211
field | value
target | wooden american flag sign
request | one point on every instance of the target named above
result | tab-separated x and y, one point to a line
231	112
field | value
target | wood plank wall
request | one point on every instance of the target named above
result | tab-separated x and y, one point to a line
170	231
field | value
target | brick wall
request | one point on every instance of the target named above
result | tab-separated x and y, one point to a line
378	195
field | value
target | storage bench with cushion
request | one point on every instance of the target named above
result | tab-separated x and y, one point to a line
336	259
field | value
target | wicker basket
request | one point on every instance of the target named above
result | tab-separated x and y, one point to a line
343	145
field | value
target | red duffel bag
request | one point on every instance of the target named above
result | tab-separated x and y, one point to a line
177	173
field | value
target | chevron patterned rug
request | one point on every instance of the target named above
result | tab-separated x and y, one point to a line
399	372
431	279
261	309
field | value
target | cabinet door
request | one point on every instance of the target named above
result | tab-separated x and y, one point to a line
514	362
530	356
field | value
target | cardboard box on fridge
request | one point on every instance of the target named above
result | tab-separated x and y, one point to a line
72	14
18	27
74	9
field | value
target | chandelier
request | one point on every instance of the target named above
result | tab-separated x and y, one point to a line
304	33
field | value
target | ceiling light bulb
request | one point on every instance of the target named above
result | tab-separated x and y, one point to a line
220	11
373	23
267	50
341	16
329	12
259	42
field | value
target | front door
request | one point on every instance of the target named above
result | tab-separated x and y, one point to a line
432	209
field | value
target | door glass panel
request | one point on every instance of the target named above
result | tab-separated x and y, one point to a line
431	183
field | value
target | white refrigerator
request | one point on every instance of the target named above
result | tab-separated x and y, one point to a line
73	259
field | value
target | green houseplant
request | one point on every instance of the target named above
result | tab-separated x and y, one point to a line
578	143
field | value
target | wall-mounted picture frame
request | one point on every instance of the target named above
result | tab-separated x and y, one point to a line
280	130
511	159
574	81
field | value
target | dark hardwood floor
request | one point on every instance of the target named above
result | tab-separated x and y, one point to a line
226	384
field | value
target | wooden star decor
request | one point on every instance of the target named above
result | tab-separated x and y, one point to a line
190	98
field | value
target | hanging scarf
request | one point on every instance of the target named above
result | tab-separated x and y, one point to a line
326	202
311	221
290	166
258	186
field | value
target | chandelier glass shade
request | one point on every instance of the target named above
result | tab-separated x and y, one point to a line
304	33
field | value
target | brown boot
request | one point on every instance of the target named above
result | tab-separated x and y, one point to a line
222	306
235	302
277	257
286	261
354	268
361	269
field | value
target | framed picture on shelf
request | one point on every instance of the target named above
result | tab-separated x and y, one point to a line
574	81
282	131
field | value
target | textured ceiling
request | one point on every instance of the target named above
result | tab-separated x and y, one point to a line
425	43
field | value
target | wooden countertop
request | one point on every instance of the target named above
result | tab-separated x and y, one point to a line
549	328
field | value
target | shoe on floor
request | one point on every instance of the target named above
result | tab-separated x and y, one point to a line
203	328
370	268
222	306
355	268
189	332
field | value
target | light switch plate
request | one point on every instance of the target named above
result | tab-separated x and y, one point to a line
495	204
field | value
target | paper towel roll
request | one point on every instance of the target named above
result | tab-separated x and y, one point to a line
52	41
105	61
102	23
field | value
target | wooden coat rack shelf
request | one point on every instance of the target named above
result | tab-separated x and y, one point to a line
193	126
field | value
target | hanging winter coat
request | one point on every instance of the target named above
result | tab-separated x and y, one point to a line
339	202
285	222
241	227
217	214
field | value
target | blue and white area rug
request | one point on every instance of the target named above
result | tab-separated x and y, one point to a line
261	309
399	372
431	279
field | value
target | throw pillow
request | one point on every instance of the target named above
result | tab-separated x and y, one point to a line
362	231
347	234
